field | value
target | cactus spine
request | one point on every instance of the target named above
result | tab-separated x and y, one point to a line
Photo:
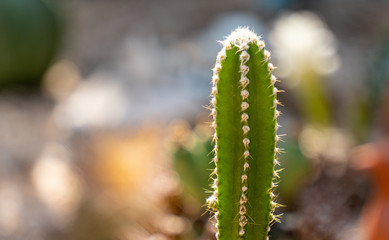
244	110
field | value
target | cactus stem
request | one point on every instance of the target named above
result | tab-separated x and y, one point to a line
248	63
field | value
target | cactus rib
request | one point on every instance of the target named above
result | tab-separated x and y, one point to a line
244	110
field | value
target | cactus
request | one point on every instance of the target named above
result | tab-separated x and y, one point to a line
30	33
244	113
190	162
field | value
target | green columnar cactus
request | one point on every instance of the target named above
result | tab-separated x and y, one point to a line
245	121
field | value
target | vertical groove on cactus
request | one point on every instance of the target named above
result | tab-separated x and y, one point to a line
244	111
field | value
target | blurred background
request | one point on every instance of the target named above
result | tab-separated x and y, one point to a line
104	134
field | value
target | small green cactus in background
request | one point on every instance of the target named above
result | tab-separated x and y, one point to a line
190	162
245	121
30	34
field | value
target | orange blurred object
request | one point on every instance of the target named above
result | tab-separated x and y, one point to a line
373	158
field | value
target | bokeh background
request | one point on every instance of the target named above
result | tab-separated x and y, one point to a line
104	133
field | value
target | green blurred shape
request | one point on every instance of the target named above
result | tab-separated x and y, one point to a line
191	163
365	108
313	99
29	35
297	170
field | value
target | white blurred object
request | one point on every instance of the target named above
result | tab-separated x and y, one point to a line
56	182
303	43
97	102
331	143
